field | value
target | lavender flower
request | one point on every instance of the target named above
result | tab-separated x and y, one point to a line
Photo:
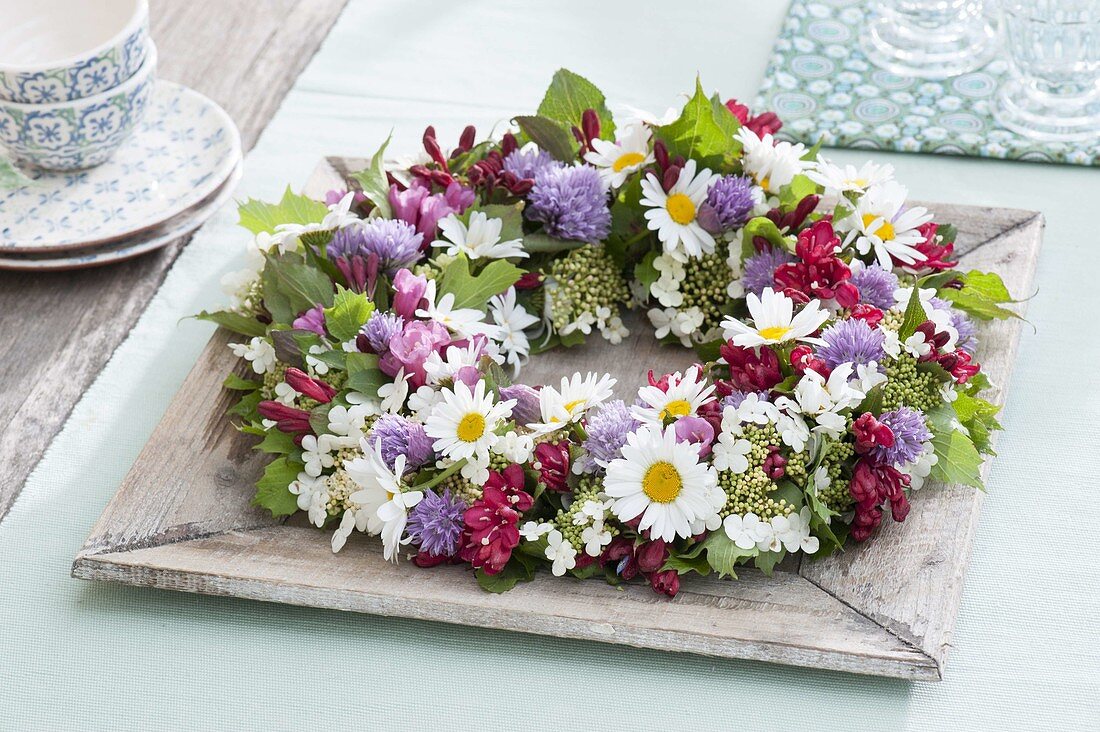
380	328
435	524
910	434
851	341
529	164
527	409
736	397
571	203
396	243
758	270
312	319
729	202
607	430
876	286
401	436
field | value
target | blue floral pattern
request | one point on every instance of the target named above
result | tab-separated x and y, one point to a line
181	151
824	88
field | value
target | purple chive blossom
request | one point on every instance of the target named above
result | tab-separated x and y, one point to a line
876	286
395	242
736	397
529	164
571	203
527	410
400	436
910	434
312	319
728	205
607	430
435	524
380	328
758	271
851	341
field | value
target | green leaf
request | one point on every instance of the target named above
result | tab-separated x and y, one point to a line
724	118
976	302
318	417
278	443
520	568
539	243
364	375
958	461
697	135
723	554
645	272
348	313
766	561
800	187
474	291
763	227
511	216
684	564
914	315
550	136
272	492
243	324
245	408
303	287
373	181
569	96
236	383
258	216
979	418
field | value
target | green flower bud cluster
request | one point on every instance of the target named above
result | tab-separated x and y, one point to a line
340	488
835	461
252	298
705	281
460	487
910	387
272	379
588	489
748	491
585	280
892	319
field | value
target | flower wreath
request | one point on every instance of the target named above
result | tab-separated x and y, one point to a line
835	343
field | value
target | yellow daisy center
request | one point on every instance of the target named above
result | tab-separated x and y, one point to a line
570	406
680	208
766	183
676	408
885	231
662	482
775	332
471	428
626	160
857	182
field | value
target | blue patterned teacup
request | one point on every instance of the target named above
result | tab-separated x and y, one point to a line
82	133
60	50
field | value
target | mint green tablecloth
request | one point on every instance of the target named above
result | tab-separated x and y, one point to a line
85	656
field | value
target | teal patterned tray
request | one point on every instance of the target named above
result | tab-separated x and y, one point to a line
823	87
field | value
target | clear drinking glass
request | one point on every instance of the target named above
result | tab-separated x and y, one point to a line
929	39
1053	90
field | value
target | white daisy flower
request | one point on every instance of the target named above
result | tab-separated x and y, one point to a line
560	552
615	161
463	322
259	352
513	320
662	481
480	239
774	321
838	180
685	394
882	223
673	214
445	366
381	506
464	424
569	403
771	163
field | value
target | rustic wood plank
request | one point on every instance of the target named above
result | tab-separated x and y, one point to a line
886	608
783	618
61	328
909	577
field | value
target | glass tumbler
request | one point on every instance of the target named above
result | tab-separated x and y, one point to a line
929	39
1053	89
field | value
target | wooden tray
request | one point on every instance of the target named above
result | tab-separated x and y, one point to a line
181	520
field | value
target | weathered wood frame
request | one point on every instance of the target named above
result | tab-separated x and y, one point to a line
181	520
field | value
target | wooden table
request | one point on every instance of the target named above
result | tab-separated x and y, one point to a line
58	329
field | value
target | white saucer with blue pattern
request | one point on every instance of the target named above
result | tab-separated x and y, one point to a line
183	150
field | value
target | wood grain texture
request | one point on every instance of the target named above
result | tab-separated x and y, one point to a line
59	329
885	608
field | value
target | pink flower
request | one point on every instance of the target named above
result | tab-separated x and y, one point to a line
696	431
552	462
408	292
312	388
418	206
491	532
411	348
312	319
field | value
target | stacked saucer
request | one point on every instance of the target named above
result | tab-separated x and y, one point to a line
115	163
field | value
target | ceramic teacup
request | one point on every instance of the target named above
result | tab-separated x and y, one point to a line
82	133
60	50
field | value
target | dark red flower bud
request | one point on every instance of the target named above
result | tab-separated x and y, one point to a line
751	370
665	583
508	144
287	419
425	560
431	145
466	139
869	432
552	462
867	313
775	465
671	176
312	388
529	281
590	124
660	154
651	555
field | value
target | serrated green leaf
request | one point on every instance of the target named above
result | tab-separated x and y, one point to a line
258	216
474	291
364	375
645	272
684	564
272	490
766	561
975	304
278	443
914	315
697	135
243	324
958	461
569	96
349	312
302	286
372	180
723	554
245	408
799	187
520	568
236	383
551	136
